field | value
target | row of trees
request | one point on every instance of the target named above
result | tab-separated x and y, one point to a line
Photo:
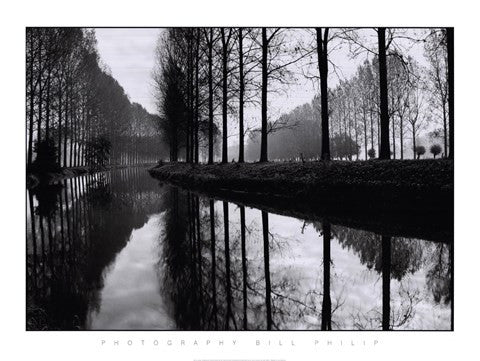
204	73
75	107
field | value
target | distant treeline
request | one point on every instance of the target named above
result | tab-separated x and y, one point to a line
77	113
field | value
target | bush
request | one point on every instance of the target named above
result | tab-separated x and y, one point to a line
420	150
371	153
46	157
435	149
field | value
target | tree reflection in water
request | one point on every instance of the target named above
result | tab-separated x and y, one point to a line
77	227
225	266
256	279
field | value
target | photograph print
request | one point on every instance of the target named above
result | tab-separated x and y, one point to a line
233	178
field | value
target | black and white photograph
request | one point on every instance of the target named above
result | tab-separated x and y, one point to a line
273	178
256	186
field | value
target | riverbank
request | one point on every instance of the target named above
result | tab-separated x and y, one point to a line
398	197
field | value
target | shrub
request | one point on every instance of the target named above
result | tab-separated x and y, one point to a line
419	150
371	153
435	149
46	157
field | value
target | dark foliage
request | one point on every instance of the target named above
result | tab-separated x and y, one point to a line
97	153
46	157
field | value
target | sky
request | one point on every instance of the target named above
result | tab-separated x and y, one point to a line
130	55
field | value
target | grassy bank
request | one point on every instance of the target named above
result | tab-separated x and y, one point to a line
377	195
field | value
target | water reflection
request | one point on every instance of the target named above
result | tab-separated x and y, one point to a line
263	271
118	251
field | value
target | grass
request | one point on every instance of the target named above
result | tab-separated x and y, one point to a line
383	180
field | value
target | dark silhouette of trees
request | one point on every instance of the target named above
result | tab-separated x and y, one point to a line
450	63
435	149
371	153
344	147
419	151
71	100
380	107
436	54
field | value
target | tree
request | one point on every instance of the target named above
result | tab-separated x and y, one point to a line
371	153
273	48
419	150
225	55
322	53
384	116
435	149
415	118
450	62
241	101
344	147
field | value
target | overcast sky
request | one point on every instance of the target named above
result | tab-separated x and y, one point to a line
130	55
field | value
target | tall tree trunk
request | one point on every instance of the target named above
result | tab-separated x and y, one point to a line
32	95
214	270
224	95
365	132
197	100
241	150
72	132
228	285
264	145
322	54
401	137
244	265
414	140
59	124
327	302
40	88
386	271
393	137
47	108
384	130
450	62
66	125
210	98
371	129
266	257
445	129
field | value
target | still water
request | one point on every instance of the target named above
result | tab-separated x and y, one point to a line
117	251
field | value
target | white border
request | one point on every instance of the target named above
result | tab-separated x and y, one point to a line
15	16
